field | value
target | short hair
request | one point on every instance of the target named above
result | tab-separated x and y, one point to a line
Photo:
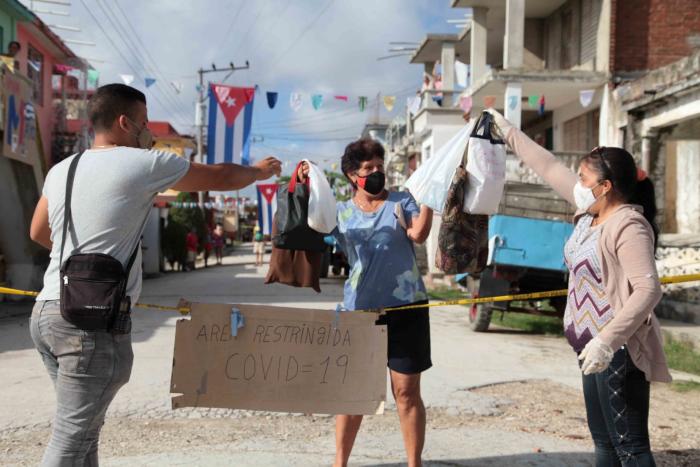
110	101
19	46
360	151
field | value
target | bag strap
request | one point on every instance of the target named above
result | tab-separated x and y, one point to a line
67	213
484	129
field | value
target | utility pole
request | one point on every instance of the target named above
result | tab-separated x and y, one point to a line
200	110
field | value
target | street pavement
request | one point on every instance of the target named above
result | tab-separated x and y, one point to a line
462	360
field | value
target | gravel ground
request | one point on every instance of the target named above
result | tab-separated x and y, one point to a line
535	407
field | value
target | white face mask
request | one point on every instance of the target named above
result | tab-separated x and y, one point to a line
584	196
144	137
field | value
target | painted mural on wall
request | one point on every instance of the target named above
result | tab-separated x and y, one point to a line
21	138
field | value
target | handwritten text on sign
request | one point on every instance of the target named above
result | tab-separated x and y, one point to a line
283	359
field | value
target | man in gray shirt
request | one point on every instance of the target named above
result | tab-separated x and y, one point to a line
114	187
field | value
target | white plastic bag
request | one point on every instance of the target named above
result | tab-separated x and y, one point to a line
431	181
486	166
322	209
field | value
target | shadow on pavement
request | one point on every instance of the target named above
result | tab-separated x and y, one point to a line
669	458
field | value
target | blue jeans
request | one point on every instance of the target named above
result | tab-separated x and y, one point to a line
87	369
617	406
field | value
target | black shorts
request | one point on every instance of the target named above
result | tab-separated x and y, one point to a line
408	333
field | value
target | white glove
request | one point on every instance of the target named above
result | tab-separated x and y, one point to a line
596	356
503	125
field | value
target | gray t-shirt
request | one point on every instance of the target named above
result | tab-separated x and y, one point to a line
113	191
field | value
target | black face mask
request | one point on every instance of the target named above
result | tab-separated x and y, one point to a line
373	183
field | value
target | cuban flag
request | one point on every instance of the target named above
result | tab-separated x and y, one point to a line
267	205
230	120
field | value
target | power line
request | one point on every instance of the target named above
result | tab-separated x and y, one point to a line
114	46
303	32
124	35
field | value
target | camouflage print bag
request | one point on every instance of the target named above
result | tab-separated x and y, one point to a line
463	238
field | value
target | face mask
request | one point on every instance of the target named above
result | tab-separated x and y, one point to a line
144	137
584	196
373	183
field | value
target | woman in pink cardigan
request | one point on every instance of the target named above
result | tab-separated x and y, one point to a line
613	289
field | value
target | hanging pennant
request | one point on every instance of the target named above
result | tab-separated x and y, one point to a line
532	101
128	79
541	109
149	82
489	101
389	102
512	102
93	76
272	99
177	86
585	97
363	103
295	101
316	101
465	103
341	98
60	69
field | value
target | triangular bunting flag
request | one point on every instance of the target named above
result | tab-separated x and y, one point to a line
93	76
389	102
272	99
512	102
149	82
465	103
295	101
489	101
532	101
363	103
128	79
341	98
541	109
585	97
317	101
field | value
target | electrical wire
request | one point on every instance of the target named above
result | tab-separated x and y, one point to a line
114	46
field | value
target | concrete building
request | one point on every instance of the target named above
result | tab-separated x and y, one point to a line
613	72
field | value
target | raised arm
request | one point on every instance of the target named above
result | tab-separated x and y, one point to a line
542	162
224	177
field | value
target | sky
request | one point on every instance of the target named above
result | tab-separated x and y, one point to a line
324	47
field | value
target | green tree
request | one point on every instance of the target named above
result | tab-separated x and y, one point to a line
181	220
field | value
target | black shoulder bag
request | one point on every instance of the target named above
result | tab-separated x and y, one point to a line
93	285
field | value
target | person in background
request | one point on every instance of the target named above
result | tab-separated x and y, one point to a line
377	230
13	49
613	288
218	242
192	244
258	246
207	246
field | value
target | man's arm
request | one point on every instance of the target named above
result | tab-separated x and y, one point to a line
225	177
40	232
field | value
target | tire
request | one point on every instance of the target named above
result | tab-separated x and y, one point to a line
480	317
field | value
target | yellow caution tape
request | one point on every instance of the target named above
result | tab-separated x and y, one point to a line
464	301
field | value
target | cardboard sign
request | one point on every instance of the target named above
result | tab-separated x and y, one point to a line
281	360
21	138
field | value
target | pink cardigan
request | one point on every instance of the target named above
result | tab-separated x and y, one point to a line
626	252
